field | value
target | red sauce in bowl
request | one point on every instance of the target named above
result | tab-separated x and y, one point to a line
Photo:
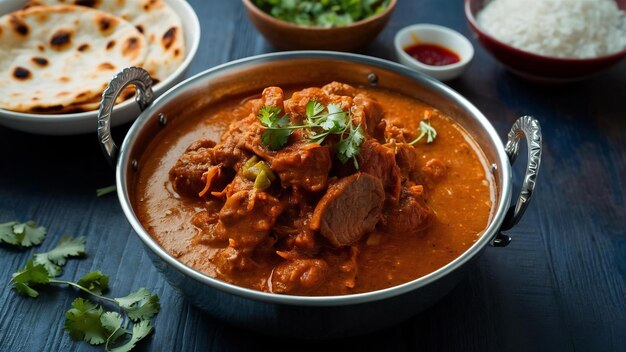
431	54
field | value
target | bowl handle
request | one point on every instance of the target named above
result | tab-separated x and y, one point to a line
144	96
529	127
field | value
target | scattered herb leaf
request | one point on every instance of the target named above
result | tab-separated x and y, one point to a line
141	304
22	234
105	190
6	233
140	331
54	259
86	320
83	322
426	130
32	274
95	282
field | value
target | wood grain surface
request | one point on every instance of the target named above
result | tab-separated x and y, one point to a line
559	286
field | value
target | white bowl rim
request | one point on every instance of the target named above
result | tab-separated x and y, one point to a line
415	28
190	15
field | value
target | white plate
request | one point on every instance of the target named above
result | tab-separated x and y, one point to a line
84	122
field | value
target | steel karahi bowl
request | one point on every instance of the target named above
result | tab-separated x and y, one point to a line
300	316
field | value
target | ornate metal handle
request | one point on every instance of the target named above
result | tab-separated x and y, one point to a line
529	127
131	75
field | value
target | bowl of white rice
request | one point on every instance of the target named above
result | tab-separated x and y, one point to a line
551	40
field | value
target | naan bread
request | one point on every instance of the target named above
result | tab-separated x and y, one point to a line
52	57
155	19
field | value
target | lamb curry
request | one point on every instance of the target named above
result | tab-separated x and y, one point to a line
326	190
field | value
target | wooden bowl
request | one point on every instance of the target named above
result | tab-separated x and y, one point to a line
288	36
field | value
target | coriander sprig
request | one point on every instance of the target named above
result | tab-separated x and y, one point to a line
321	121
25	234
426	130
86	320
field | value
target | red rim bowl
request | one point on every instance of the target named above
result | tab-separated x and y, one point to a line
538	67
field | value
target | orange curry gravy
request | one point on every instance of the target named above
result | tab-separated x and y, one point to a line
459	201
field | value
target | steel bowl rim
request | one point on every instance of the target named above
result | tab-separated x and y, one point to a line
124	163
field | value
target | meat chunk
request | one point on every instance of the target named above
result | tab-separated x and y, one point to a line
380	162
247	218
186	175
338	88
273	96
434	170
368	113
411	215
304	165
298	276
350	208
230	260
408	162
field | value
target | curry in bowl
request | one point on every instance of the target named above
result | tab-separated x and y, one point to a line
315	191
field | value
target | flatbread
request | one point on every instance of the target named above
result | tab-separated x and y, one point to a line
52	57
155	19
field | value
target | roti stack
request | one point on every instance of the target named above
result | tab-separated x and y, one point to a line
57	57
160	25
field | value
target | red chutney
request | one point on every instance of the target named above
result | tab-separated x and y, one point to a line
431	54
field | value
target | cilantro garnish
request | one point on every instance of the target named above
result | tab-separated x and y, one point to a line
327	13
56	258
22	234
277	133
87	320
426	130
321	121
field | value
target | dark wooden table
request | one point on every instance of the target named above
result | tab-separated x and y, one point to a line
559	286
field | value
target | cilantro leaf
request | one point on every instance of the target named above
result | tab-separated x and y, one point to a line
32	274
95	282
349	147
83	322
277	133
269	115
105	190
140	331
276	138
28	234
112	323
141	304
6	233
313	108
22	234
426	130
57	257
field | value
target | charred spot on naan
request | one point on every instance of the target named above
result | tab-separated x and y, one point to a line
105	23
149	4
18	25
87	3
131	47
139	28
20	73
83	47
61	39
39	61
169	37
110	44
106	66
